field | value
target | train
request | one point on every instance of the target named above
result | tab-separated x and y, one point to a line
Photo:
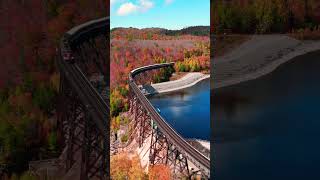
66	52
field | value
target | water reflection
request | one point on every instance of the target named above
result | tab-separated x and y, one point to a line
188	110
268	128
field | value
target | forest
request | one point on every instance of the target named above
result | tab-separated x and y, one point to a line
266	16
132	48
188	33
129	51
29	80
193	30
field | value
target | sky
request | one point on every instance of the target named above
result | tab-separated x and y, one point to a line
169	14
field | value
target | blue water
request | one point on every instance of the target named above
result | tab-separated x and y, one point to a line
188	110
269	128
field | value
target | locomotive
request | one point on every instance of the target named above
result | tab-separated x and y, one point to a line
66	52
68	56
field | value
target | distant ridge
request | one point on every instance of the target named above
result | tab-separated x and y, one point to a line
192	30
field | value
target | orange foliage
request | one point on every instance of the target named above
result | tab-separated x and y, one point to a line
21	100
127	55
159	172
124	167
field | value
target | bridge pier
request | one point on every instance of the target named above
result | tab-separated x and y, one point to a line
161	150
176	160
83	139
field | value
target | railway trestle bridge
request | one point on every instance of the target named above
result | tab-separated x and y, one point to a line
83	112
167	146
83	106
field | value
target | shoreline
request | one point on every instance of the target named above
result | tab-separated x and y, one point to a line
262	64
186	81
202	146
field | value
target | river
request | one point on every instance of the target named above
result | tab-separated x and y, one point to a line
269	128
187	110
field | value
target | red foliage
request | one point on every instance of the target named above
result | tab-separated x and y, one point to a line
159	172
129	54
29	34
148	34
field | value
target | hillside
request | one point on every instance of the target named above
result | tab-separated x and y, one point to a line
29	80
193	30
265	16
159	33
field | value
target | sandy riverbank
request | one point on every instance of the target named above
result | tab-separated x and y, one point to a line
186	81
204	143
256	57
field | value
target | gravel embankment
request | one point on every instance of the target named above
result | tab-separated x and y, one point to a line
186	81
256	57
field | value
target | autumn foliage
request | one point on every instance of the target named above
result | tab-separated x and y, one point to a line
159	172
127	54
265	16
132	48
131	34
124	167
30	31
29	34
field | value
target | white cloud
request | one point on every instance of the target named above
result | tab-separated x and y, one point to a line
112	2
145	5
127	8
168	1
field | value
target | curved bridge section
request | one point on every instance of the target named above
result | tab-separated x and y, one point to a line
83	111
167	146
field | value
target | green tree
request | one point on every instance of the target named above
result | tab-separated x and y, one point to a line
43	97
27	83
52	143
264	15
115	103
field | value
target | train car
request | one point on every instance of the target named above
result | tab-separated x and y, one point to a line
66	52
68	56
